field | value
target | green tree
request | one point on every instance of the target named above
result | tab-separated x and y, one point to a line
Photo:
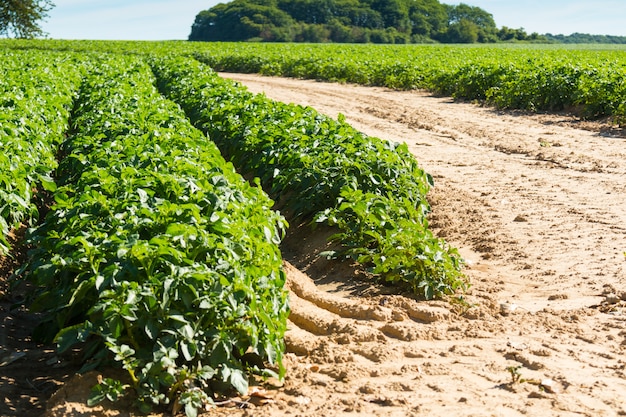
379	21
20	18
311	32
480	17
428	18
466	21
347	12
463	31
239	20
395	13
340	32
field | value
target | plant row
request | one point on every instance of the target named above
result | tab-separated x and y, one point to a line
316	167
156	255
36	94
591	83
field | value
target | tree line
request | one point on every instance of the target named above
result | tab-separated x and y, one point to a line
354	21
585	38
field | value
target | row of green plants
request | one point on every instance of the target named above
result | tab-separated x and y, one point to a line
156	256
590	83
36	93
318	168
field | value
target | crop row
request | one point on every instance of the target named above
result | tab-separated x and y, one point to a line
36	96
590	82
372	190
156	255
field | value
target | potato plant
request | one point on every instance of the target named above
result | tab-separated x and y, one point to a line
36	93
373	190
156	254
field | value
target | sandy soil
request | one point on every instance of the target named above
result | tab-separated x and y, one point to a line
535	203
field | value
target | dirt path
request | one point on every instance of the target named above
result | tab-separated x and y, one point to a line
541	199
536	204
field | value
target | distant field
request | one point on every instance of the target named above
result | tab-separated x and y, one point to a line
588	80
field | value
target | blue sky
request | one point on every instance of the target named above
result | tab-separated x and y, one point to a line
172	19
598	17
123	19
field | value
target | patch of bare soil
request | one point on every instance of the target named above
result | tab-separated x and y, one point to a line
535	203
29	372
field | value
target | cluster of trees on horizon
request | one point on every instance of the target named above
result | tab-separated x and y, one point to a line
586	38
347	21
363	21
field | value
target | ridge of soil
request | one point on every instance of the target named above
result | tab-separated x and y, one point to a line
535	203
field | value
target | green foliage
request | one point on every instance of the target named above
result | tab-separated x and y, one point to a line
586	38
157	255
20	18
107	389
586	81
317	167
389	234
465	31
469	24
346	21
238	20
36	91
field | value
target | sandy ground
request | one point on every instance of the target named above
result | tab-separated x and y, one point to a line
536	205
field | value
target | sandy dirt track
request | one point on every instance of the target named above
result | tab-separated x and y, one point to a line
536	204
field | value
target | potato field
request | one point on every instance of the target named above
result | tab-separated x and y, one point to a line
144	199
